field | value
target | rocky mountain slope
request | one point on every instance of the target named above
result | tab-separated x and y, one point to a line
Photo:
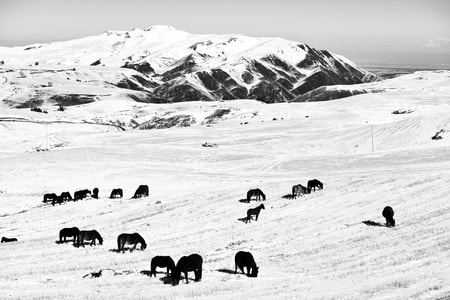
162	64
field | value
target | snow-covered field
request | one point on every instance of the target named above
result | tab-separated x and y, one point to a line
313	247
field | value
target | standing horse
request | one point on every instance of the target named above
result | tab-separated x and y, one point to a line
66	196
116	193
191	263
315	183
142	191
81	194
162	262
69	232
89	235
95	193
8	240
130	238
299	190
254	212
257	193
388	214
49	197
245	259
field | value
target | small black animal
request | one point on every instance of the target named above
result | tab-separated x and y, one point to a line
257	193
162	262
299	190
191	263
8	240
142	191
81	194
49	197
69	232
65	196
130	238
315	183
89	235
244	259
254	212
95	193
388	214
116	193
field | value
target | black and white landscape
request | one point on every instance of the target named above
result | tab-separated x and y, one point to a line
202	119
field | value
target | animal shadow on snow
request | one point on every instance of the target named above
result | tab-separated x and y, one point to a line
227	271
149	274
127	249
243	200
372	223
288	196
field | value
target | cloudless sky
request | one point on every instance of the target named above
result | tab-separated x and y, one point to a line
390	31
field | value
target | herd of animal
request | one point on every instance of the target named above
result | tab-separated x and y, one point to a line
191	263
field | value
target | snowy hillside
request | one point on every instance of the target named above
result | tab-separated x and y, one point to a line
313	247
169	66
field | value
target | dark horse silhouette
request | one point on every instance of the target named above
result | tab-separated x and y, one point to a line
65	196
49	197
162	262
388	214
245	259
7	240
142	191
69	232
89	235
130	238
191	263
81	194
257	193
116	193
95	193
299	190
254	212
315	183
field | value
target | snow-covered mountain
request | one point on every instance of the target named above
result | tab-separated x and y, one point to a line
162	64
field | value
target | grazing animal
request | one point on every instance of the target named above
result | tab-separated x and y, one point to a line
89	235
49	197
191	263
116	193
245	259
65	196
299	190
8	240
142	191
130	238
254	212
80	195
162	262
69	232
388	214
257	193
95	193
315	183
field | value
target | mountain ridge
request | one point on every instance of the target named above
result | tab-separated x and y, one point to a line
173	65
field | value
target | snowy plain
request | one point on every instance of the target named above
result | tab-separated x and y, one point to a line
313	247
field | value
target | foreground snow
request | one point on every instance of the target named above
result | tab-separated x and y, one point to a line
314	247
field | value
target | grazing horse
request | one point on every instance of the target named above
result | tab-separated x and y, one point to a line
315	183
65	196
95	193
89	235
69	232
142	191
245	259
116	193
257	193
7	240
254	211
49	197
191	263
388	214
299	190
130	238
162	262
81	194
